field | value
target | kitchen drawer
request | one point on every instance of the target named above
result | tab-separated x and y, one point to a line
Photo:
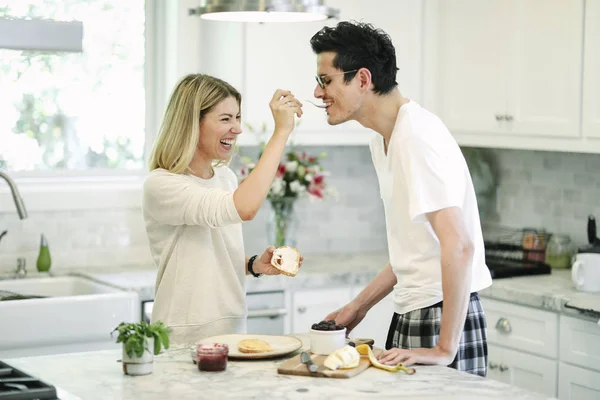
576	383
526	371
522	328
580	342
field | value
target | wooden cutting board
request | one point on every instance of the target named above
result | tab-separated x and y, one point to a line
294	366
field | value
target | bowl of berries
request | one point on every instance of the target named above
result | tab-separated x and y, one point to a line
326	337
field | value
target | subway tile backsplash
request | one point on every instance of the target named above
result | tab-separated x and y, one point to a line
354	222
76	238
552	190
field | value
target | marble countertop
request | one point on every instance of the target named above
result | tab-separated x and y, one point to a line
98	375
553	292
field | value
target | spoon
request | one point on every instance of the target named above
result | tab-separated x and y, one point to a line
315	104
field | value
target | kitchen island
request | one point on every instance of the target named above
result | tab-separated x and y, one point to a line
98	375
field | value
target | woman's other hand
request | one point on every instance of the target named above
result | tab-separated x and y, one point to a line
262	264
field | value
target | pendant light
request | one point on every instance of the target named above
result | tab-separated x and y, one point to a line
265	10
41	35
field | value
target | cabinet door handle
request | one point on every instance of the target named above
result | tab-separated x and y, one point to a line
493	365
508	117
267	313
503	325
500	117
503	368
301	310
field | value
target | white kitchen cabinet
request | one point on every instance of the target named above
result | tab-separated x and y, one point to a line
377	322
522	346
312	306
535	373
543	351
280	56
580	342
501	69
522	328
576	383
591	71
470	87
495	361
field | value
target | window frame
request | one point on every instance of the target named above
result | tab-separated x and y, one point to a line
103	188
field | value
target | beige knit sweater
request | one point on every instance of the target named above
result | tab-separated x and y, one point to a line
195	236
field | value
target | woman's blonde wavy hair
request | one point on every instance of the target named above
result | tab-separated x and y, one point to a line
193	97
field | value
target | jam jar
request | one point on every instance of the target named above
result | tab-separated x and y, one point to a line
534	244
212	356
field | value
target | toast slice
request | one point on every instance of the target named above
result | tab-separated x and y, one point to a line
254	346
287	260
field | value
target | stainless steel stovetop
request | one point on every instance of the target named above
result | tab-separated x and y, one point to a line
17	385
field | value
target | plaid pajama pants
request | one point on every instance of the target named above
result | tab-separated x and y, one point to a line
421	328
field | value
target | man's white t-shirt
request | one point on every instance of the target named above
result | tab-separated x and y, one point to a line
424	171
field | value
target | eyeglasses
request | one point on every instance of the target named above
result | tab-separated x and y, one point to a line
319	78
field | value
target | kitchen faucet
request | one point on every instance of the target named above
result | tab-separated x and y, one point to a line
15	194
21	272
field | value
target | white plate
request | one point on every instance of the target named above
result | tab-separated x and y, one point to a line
281	345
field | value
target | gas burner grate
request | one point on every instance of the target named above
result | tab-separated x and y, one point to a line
17	385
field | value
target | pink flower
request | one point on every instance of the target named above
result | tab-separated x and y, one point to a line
315	190
318	179
280	170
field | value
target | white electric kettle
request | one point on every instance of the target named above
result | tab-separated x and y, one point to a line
586	272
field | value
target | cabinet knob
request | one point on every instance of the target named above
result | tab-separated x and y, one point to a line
493	365
508	117
301	310
500	117
503	368
503	325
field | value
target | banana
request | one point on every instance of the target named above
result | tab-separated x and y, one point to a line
365	350
345	358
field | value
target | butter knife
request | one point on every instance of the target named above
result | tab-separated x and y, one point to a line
305	358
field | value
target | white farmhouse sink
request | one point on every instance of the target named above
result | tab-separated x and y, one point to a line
76	314
55	287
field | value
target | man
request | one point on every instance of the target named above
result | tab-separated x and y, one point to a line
433	230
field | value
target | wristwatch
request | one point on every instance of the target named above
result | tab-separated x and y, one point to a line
250	269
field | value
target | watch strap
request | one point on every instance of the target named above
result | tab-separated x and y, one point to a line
250	269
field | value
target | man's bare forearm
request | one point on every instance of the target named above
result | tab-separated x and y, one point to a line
456	284
379	287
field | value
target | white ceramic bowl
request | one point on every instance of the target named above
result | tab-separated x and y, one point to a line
326	342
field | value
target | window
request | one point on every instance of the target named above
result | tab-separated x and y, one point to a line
76	112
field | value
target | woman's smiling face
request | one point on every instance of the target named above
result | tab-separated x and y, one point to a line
219	129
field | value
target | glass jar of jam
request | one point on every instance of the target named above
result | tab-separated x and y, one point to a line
212	356
534	244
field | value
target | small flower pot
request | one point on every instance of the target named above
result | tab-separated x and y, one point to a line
139	365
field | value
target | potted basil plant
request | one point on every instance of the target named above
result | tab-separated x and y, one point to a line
141	341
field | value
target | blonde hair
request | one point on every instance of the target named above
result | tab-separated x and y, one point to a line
193	97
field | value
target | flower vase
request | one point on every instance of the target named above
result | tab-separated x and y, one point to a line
282	222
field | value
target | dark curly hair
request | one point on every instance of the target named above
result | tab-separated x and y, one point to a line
360	45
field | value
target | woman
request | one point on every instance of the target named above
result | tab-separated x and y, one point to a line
194	209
